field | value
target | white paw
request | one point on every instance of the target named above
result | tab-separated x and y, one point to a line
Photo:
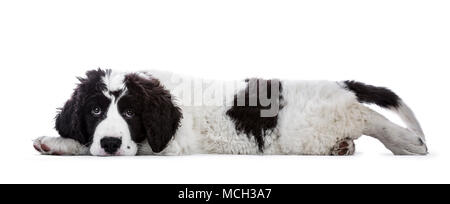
44	147
58	146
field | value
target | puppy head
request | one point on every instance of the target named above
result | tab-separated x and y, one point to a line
114	112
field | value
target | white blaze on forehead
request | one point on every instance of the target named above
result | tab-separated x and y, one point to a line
114	81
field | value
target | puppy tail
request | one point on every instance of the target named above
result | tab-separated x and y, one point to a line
408	117
385	98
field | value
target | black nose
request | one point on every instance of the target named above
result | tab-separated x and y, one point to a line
110	144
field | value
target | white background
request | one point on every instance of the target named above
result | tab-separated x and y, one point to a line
404	45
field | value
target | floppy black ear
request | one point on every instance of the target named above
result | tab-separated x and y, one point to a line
69	120
160	116
161	120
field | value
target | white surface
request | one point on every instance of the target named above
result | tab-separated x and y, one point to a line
404	45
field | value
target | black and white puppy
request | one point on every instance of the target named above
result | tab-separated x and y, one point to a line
144	113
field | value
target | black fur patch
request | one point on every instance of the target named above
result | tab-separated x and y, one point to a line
74	119
247	117
371	94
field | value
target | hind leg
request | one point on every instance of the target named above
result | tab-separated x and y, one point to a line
345	147
399	140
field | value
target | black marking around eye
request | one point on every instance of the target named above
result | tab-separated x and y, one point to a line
74	120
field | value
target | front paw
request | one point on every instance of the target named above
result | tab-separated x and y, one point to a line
43	146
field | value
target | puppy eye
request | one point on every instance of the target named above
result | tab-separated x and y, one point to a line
129	113
96	111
